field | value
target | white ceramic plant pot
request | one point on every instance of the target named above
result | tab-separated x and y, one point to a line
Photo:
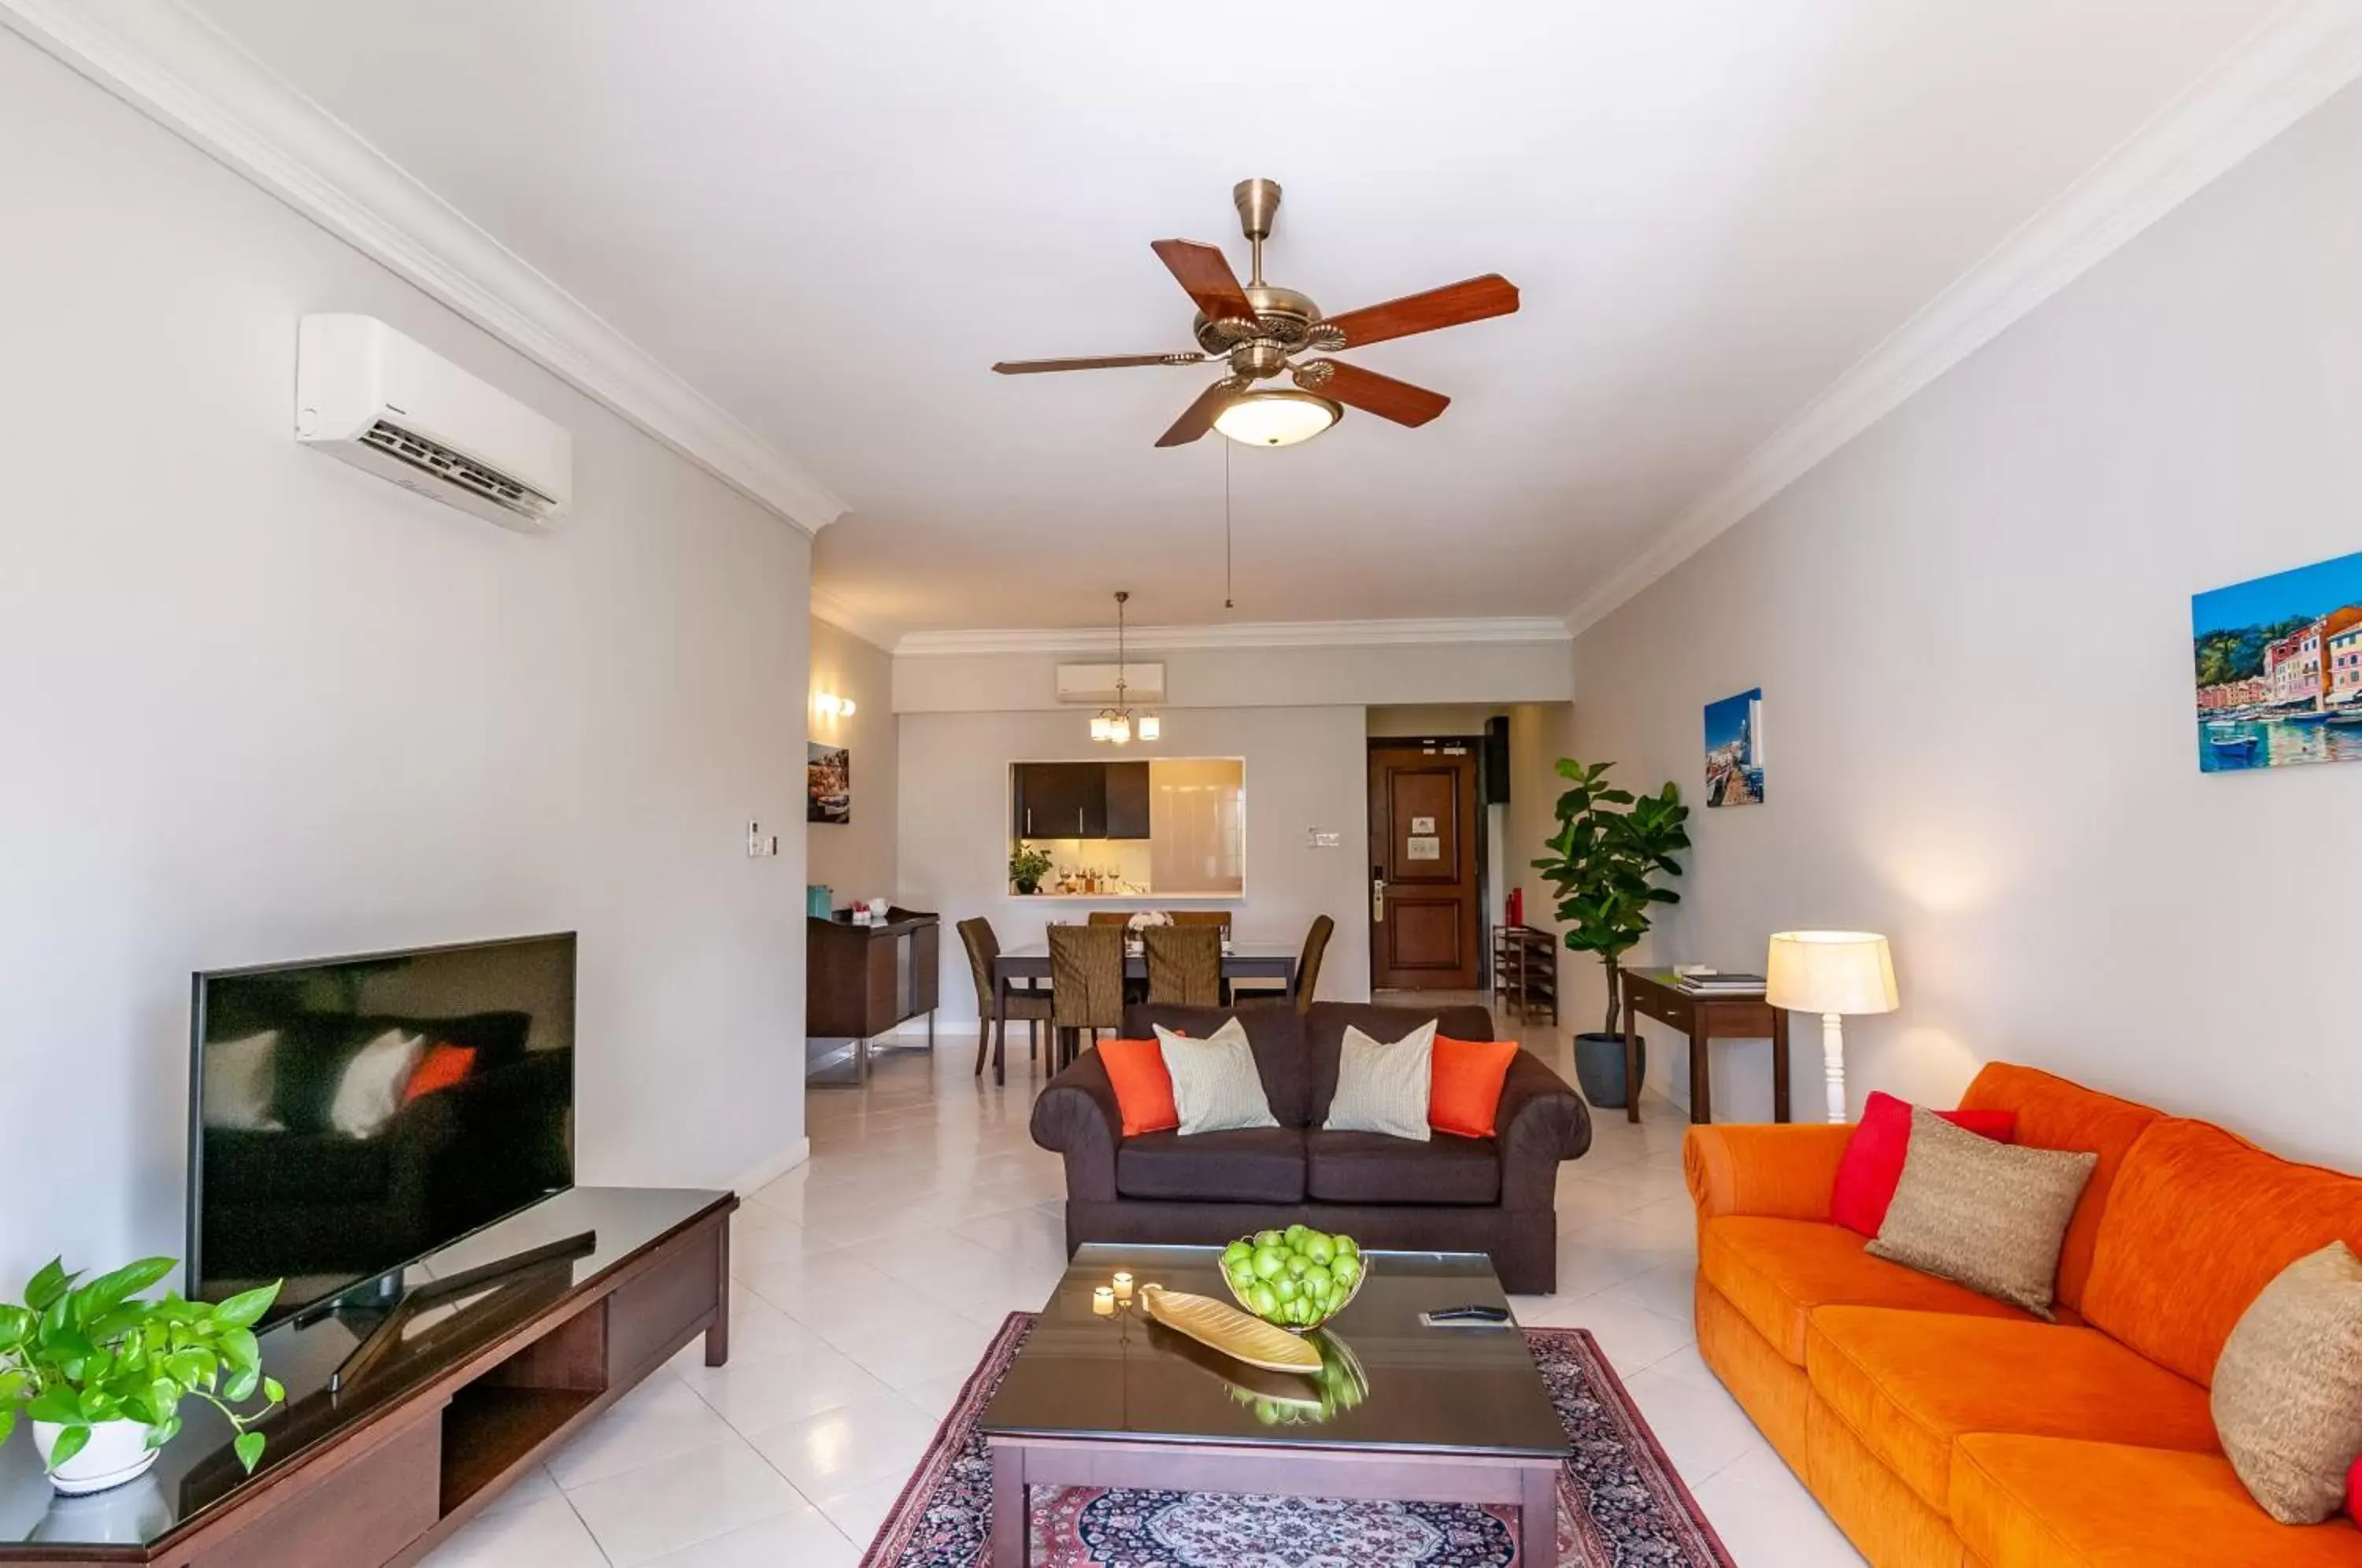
116	1452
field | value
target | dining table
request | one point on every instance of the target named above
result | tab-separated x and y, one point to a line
1024	966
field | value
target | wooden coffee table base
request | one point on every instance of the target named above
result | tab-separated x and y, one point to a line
1273	1471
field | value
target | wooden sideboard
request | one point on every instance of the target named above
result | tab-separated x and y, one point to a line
862	981
476	1394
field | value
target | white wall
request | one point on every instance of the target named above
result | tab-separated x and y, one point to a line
259	705
856	857
1971	629
1255	677
1306	767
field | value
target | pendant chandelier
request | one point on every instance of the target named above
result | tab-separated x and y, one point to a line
1118	724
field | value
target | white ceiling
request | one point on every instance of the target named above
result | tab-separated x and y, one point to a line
832	218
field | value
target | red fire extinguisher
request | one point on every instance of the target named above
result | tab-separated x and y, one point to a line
1517	906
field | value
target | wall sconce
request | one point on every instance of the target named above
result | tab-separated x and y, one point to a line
829	705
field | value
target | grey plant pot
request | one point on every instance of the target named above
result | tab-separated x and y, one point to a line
1599	1070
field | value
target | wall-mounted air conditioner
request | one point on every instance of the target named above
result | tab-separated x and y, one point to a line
1143	681
369	395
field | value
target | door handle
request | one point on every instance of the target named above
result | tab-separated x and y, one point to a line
1028	822
1377	900
1078	821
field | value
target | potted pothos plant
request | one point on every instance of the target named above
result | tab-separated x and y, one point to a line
1610	849
101	1372
1027	867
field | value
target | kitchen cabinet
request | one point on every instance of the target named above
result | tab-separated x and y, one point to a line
1127	800
1081	800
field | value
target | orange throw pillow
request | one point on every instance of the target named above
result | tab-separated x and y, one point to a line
442	1065
1144	1088
1464	1085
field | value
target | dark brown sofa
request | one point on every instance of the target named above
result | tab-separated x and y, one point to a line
1495	1194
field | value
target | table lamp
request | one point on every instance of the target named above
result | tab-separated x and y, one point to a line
1832	973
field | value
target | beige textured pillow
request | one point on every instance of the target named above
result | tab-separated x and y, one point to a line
1384	1087
1215	1084
2288	1387
1990	1216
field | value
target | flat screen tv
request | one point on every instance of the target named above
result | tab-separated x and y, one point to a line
351	1116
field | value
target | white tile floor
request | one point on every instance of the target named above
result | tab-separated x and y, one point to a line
870	1280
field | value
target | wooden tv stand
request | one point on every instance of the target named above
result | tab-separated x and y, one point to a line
477	1393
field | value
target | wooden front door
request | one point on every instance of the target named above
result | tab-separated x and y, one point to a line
1424	911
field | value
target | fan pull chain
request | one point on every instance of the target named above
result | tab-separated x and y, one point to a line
1227	601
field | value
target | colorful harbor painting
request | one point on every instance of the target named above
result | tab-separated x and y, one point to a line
829	781
2279	668
1734	750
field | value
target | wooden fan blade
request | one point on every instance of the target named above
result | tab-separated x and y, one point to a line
1199	417
1450	305
1373	394
1113	362
1205	273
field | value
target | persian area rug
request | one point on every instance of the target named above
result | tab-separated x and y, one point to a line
1620	1504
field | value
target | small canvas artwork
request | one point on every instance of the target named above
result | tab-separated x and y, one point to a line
2279	668
1734	750
828	777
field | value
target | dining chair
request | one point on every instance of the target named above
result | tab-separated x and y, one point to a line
1185	965
1033	1005
1308	971
1086	984
1110	917
1202	917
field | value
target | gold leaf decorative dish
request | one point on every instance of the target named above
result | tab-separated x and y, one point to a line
1229	1331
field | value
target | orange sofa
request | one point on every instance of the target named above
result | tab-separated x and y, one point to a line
1943	1430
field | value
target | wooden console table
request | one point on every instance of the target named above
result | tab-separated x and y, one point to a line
1727	1015
862	981
474	1396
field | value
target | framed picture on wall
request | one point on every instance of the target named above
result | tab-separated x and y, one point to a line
1734	750
2279	668
829	777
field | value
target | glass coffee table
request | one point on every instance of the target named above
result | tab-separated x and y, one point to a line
1399	1410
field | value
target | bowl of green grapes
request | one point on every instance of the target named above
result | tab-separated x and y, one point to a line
1298	1278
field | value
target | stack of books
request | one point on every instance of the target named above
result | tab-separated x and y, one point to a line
1717	982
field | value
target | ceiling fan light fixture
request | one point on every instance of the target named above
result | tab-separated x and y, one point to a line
1276	417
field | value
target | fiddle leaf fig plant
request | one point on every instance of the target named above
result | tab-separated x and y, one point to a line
1610	847
76	1354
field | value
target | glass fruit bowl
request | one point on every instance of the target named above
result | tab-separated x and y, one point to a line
1296	1279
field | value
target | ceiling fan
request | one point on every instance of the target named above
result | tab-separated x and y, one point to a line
1258	329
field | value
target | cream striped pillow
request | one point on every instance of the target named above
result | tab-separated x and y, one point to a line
1215	1084
1384	1089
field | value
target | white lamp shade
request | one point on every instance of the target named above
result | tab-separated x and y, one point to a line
1275	418
1830	971
1151	727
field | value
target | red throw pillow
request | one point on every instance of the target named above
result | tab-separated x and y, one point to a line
2353	1486
1144	1087
1873	1157
442	1065
1463	1085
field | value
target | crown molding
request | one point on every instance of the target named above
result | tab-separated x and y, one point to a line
2284	70
1237	635
851	620
179	70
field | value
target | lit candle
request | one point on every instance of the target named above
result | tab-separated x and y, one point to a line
1122	1287
1103	1302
